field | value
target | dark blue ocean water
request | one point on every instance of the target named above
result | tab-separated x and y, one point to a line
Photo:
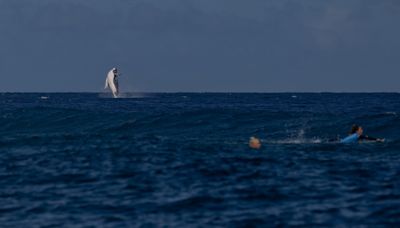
182	160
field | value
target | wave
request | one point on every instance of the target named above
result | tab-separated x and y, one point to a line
294	128
205	118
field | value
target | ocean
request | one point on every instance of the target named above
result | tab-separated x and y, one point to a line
183	160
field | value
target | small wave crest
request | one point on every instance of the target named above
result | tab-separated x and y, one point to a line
391	113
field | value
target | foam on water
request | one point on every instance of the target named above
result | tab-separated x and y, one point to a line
124	95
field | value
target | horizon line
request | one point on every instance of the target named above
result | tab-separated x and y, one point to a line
198	92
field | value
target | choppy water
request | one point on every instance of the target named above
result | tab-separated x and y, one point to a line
182	160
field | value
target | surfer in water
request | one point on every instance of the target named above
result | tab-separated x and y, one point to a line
356	135
254	143
112	82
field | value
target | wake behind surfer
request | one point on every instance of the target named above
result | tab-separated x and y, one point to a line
112	82
356	135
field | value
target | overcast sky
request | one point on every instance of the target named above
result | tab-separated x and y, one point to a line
200	45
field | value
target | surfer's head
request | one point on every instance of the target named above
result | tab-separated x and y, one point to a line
356	129
254	143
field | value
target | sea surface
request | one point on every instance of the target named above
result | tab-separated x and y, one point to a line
182	160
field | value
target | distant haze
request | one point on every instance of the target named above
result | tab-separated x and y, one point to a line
200	45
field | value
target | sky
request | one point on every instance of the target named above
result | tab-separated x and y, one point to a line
200	45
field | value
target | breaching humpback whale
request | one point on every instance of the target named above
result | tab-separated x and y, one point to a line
112	82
